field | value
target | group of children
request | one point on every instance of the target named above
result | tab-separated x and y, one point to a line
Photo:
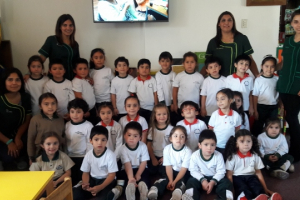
122	151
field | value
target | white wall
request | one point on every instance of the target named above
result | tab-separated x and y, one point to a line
27	23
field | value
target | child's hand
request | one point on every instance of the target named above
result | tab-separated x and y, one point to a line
85	186
256	115
90	80
87	114
161	160
204	185
132	180
137	177
26	77
170	186
94	190
210	186
203	112
155	162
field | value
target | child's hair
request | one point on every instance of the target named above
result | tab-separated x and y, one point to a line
271	121
78	103
35	58
49	134
212	59
121	59
240	110
56	61
47	95
269	58
231	147
105	105
132	97
189	103
99	130
190	54
80	61
153	121
207	134
228	92
7	72
181	128
165	55
144	61
92	64
242	57
297	12
134	126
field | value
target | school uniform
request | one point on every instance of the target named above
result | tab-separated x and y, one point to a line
141	120
193	131
164	86
84	87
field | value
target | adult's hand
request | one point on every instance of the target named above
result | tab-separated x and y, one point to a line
13	150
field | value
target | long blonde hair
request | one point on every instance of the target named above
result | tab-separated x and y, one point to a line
153	121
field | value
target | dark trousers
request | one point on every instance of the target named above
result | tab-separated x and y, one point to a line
206	120
105	194
220	189
145	113
76	173
93	118
153	170
265	112
292	107
279	162
121	175
249	184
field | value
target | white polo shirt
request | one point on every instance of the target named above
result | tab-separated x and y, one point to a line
209	89
177	158
160	139
243	85
165	86
189	86
102	78
119	87
244	165
126	119
144	91
224	125
193	131
265	89
82	85
99	166
269	145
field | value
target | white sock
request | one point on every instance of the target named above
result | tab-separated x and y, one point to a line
229	194
190	192
120	182
286	165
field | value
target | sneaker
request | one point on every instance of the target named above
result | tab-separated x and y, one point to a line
153	193
130	191
176	195
185	196
143	189
117	191
275	196
261	197
78	184
291	168
278	173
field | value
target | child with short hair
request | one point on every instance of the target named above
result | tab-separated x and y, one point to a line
207	169
59	86
274	150
144	86
189	110
242	82
119	87
238	99
211	85
98	168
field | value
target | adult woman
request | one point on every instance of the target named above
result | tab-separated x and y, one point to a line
288	84
62	45
228	44
15	114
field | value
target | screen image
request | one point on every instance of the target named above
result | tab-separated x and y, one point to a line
130	11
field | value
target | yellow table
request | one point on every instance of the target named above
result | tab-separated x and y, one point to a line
25	185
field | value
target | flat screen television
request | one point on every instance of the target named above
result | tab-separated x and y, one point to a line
130	11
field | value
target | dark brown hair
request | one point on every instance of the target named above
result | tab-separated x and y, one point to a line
58	32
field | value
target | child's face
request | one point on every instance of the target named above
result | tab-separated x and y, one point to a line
48	106
82	70
238	101
132	137
122	68
105	115
57	70
223	101
144	70
98	58
132	107
76	115
242	66
268	68
13	83
165	64
36	68
207	147
99	143
244	144
213	69
161	115
189	64
178	139
50	145
273	130
189	112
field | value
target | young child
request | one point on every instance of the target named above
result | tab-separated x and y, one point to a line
132	106
211	85
34	85
78	135
242	82
98	168
238	99
60	87
119	87
225	121
176	161
243	164
265	96
144	86
274	150
52	159
101	75
46	121
207	169
134	156
189	110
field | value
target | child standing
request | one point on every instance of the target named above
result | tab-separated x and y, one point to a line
119	87
265	96
207	169
274	150
189	110
35	84
243	164
144	86
211	85
60	87
46	121
238	99
225	121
